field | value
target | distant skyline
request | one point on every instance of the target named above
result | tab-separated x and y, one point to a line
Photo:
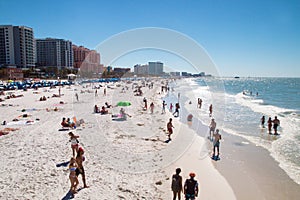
243	38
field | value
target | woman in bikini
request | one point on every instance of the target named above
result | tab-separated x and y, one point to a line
73	178
74	142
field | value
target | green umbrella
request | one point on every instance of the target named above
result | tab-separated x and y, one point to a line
123	103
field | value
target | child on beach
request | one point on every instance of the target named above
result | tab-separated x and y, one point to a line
72	176
169	127
74	142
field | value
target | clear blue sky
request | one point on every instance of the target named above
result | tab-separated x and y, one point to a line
243	37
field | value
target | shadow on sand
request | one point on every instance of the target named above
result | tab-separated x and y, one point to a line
63	164
69	195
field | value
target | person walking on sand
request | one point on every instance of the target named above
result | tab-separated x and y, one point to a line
80	170
262	120
270	125
199	103
77	98
171	107
212	127
163	107
176	110
74	142
151	107
104	92
276	123
145	103
72	176
210	110
176	185
170	128
96	93
191	187
216	143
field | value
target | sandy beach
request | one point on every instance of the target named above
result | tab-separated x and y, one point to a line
124	159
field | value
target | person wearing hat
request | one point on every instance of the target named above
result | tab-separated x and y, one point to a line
80	170
216	143
191	187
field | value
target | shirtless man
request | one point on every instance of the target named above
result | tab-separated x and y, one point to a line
80	170
212	127
216	143
276	123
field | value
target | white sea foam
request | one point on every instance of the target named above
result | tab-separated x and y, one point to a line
284	149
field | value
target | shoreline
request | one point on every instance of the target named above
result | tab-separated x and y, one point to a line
127	159
256	173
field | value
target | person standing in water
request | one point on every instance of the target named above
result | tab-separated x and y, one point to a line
270	125
212	127
276	123
210	110
262	120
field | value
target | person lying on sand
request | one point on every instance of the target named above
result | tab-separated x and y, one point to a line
5	131
123	115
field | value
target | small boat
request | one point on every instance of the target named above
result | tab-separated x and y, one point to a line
236	77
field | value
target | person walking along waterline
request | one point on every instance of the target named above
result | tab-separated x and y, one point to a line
216	144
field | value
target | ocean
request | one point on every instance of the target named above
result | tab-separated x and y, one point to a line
239	104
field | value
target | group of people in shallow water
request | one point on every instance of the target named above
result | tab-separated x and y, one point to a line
189	188
271	123
76	164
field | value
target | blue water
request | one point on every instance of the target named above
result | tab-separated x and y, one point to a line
239	114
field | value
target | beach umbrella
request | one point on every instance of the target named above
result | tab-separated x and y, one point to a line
123	103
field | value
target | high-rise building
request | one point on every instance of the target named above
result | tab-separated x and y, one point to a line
17	46
86	60
52	52
156	68
141	69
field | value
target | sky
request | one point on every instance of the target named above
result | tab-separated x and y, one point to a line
242	37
